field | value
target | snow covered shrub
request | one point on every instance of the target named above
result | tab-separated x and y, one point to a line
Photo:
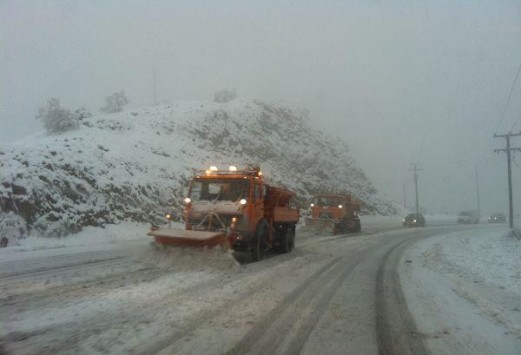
515	233
12	227
115	102
81	113
55	118
224	96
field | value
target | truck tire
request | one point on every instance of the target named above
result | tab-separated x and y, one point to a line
358	227
287	239
291	233
259	241
351	225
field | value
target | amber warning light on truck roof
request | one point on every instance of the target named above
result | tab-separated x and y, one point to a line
232	169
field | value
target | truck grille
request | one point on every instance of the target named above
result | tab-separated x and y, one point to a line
212	223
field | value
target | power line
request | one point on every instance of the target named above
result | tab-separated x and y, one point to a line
515	123
436	167
508	99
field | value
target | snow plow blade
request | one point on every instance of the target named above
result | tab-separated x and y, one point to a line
320	223
188	238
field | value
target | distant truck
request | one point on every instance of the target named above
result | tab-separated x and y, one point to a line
236	209
468	217
337	212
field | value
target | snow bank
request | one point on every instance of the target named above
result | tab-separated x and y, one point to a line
489	255
465	290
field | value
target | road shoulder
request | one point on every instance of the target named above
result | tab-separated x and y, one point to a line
459	303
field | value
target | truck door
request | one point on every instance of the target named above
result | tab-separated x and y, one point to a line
258	203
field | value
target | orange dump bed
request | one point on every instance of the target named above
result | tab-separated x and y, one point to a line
278	204
284	214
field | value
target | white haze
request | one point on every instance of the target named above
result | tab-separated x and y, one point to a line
399	81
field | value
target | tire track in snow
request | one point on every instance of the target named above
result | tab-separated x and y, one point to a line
286	328
62	337
264	276
395	327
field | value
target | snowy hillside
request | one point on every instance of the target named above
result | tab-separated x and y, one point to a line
135	164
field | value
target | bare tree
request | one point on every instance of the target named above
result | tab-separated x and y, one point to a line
115	102
55	118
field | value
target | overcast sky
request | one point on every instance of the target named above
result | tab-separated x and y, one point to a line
401	82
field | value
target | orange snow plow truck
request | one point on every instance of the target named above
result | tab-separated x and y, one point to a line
339	213
235	209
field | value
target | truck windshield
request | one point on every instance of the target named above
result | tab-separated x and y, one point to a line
219	189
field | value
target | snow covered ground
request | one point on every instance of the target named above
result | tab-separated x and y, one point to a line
107	291
465	290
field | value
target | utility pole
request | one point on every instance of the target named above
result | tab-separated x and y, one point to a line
155	88
508	150
477	190
416	186
404	197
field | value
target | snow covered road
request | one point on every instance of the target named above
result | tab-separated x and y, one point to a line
386	290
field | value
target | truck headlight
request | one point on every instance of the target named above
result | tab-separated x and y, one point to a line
234	223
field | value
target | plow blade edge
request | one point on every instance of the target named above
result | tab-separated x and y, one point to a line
188	238
320	223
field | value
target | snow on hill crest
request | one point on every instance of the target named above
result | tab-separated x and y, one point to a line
135	164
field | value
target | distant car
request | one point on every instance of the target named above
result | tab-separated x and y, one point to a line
414	220
468	217
497	218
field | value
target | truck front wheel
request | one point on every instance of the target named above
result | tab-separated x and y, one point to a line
259	241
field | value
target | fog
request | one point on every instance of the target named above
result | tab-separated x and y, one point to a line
402	82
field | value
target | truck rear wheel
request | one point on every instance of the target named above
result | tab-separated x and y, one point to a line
287	240
259	241
358	227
